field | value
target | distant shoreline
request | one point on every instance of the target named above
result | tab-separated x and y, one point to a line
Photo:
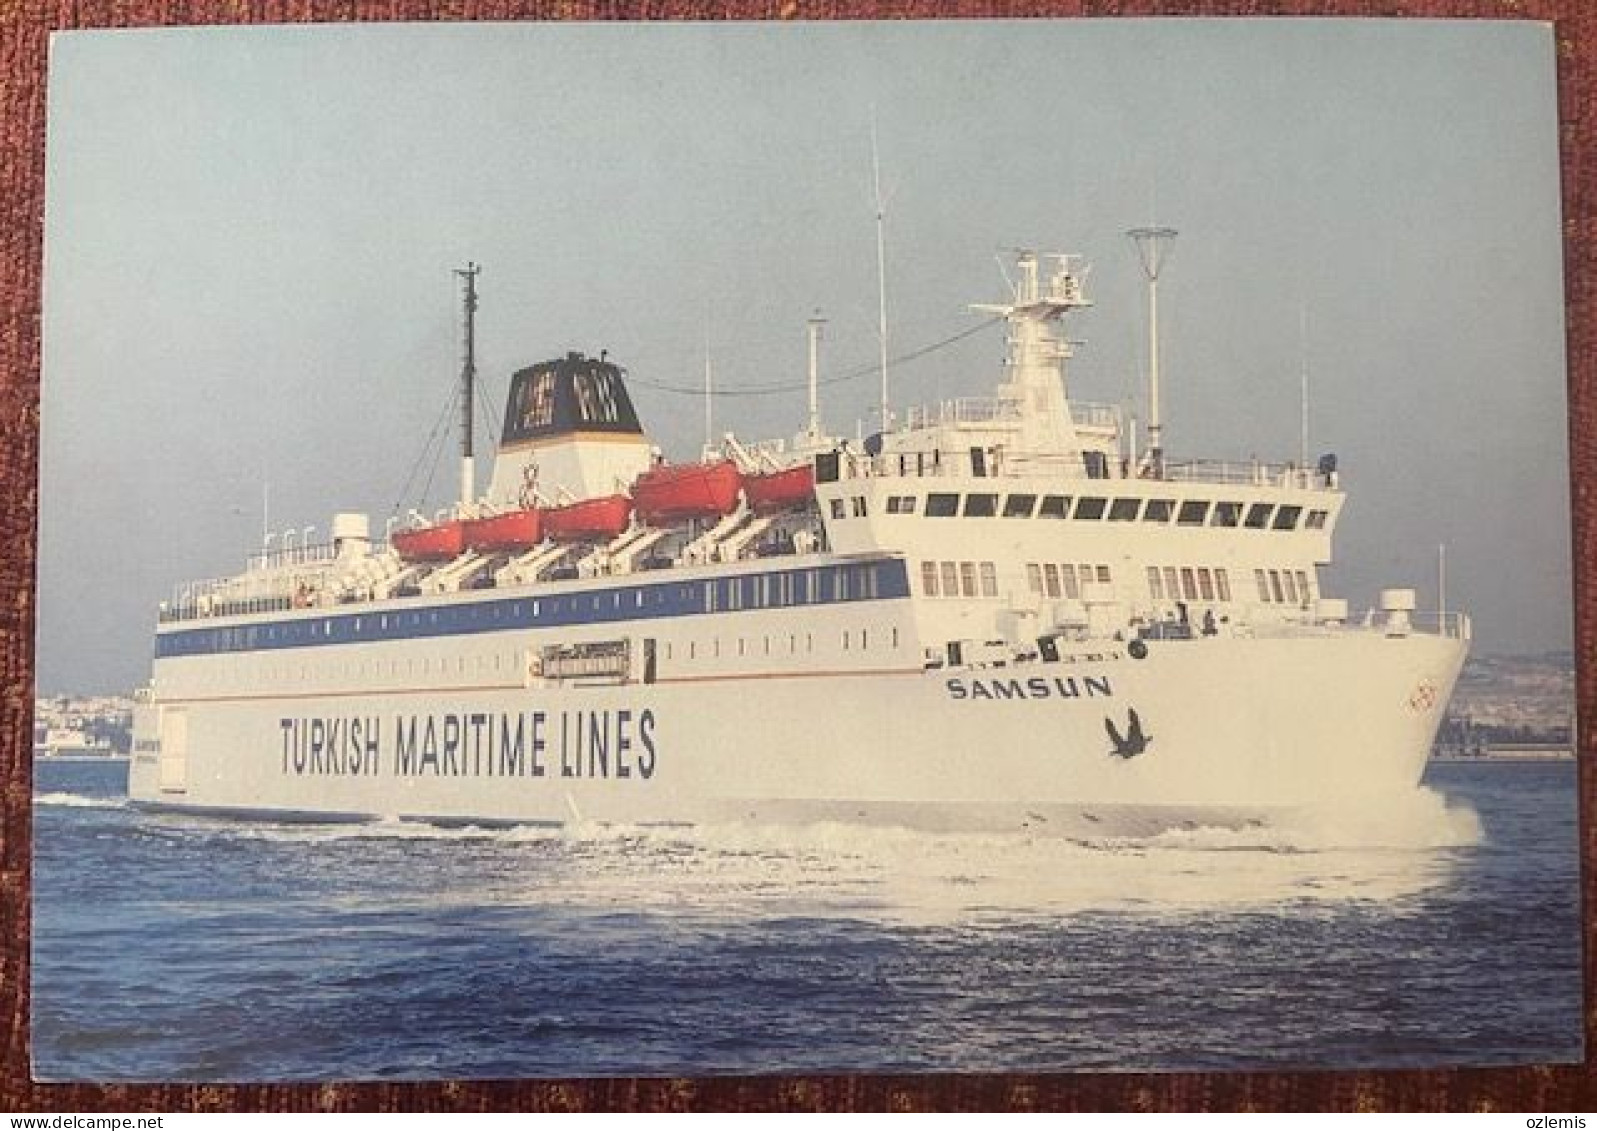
1538	754
41	759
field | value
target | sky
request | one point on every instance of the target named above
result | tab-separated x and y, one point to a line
251	315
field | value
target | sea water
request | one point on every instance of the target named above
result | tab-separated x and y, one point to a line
1440	929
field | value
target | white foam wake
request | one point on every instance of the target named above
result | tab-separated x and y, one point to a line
79	801
1378	852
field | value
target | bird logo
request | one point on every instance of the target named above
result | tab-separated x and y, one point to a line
1132	742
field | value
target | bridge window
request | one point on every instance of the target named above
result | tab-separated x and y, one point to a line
1227	514
1192	513
1090	508
940	505
1019	506
838	509
1259	516
1124	510
901	504
860	509
981	505
1054	506
1159	510
1316	520
1286	518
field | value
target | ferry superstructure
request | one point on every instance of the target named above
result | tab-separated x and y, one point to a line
995	614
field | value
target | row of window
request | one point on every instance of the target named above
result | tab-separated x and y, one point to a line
1284	587
479	664
1067	580
1050	580
852	640
1093	508
510	663
959	579
1188	583
777	589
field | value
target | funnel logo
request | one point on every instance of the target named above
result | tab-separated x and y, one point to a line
1131	743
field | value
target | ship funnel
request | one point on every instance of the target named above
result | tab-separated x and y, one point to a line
569	430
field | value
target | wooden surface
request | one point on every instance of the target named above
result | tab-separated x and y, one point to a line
25	26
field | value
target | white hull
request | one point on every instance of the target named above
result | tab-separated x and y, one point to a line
1236	727
994	615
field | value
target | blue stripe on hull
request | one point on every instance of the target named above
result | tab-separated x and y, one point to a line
817	585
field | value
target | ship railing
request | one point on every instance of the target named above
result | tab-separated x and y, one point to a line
205	608
1452	625
293	555
1256	473
962	410
1089	414
990	410
935	463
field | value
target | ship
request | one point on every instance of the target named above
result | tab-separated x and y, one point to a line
994	612
67	743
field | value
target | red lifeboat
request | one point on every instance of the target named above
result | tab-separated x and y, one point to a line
672	493
440	542
516	530
591	520
780	490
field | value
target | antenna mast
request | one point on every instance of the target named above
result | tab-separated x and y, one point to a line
1151	251
814	432
468	379
709	397
881	268
1303	381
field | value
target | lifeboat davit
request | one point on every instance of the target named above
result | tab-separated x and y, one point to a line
591	520
672	493
515	530
441	542
780	490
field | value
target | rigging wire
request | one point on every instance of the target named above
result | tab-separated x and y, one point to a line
438	456
432	438
486	416
796	386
